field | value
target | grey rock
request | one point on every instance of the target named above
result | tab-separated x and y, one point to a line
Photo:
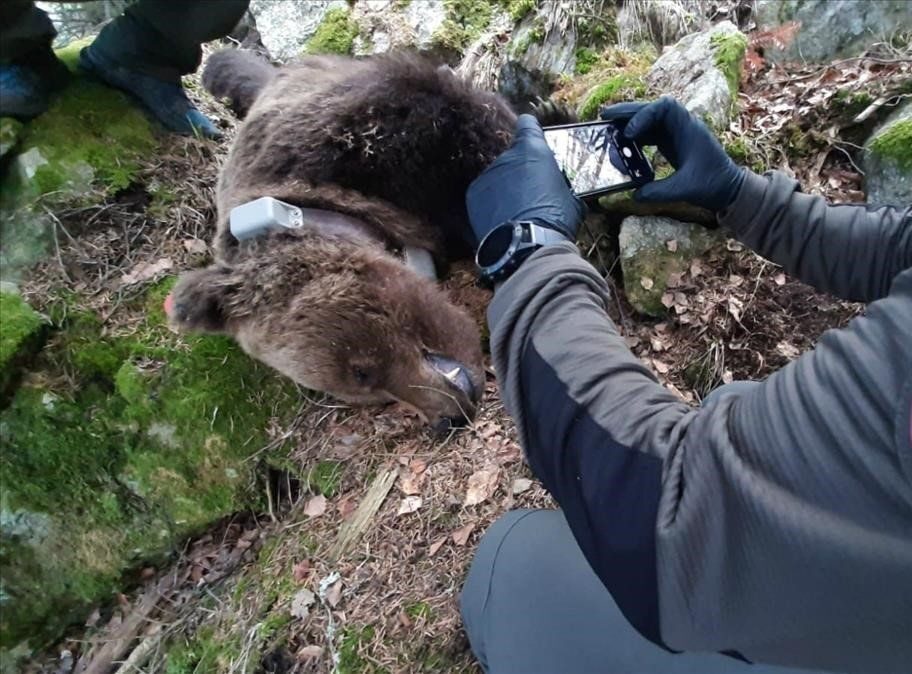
285	26
888	174
651	248
689	72
833	28
385	25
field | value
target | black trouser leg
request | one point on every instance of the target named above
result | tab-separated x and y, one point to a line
24	29
163	39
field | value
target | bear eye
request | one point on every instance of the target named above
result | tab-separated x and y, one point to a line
360	375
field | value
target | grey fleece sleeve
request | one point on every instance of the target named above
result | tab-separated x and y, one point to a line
778	523
853	251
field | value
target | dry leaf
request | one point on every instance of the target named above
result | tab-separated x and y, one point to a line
435	546
404	620
646	282
417	466
334	594
656	344
779	279
461	535
734	308
346	506
482	484
681	299
301	603
309	653
301	571
674	279
409	504
520	485
146	271
315	506
672	245
660	367
735	280
410	483
196	246
668	300
696	268
631	341
788	350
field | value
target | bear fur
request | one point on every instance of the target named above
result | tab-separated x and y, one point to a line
391	143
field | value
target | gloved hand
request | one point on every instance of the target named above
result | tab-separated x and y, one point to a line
704	174
524	183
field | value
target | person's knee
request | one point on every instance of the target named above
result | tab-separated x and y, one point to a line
477	585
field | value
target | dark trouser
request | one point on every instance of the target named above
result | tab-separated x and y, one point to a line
161	38
532	604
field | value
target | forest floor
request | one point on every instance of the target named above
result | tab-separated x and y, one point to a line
272	591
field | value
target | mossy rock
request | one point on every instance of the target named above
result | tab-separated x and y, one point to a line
22	333
648	257
116	448
703	71
465	21
622	87
888	161
88	145
335	35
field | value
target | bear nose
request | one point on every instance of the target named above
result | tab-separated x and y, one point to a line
456	375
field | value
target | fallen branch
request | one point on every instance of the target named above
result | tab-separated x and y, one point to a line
113	650
351	530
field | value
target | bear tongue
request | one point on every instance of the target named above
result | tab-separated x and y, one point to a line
169	304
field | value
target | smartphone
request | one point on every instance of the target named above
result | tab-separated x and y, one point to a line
597	159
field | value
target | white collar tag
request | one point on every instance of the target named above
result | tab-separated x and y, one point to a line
262	215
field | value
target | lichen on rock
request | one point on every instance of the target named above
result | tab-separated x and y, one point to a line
651	249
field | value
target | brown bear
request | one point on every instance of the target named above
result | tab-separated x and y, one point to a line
380	152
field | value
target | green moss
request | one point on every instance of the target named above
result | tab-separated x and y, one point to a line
201	654
737	149
895	144
420	611
619	88
518	9
335	35
10	131
729	55
152	444
535	35
351	660
586	58
21	334
465	20
90	134
325	478
273	624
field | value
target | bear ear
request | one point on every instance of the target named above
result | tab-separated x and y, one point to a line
199	301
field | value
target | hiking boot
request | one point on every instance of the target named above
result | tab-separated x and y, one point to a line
167	101
26	85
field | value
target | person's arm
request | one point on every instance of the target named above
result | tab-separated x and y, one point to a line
852	251
777	524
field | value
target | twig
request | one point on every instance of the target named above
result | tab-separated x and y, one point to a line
351	530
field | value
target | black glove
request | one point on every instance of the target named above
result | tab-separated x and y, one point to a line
704	174
524	183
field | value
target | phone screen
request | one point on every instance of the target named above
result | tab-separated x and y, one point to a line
595	160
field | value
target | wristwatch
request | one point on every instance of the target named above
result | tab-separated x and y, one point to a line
506	246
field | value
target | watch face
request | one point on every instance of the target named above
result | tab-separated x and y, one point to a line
495	246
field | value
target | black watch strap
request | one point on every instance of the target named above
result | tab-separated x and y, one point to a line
518	240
